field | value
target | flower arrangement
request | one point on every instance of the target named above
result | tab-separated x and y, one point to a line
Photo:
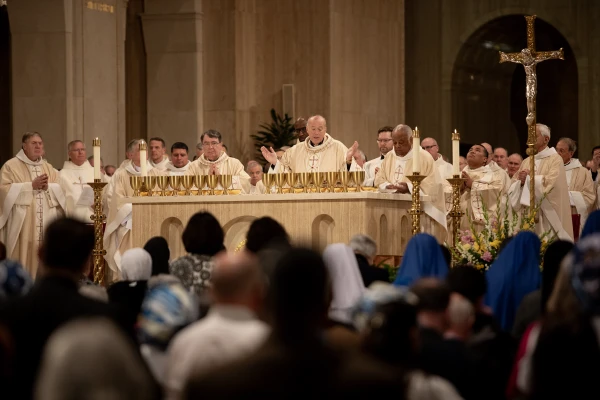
480	249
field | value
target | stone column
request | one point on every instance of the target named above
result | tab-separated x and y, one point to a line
173	38
42	64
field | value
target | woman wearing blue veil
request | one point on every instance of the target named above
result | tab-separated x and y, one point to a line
514	274
592	224
422	259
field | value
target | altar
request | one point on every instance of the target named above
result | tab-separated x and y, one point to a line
312	219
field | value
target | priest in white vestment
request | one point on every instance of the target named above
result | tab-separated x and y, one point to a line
214	161
31	199
482	188
180	162
579	179
117	235
398	164
445	168
514	163
319	153
256	172
157	151
550	179
501	157
74	178
385	144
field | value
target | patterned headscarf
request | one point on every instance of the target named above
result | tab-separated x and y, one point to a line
585	272
167	308
14	280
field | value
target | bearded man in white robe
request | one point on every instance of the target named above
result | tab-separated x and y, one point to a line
482	188
550	180
31	199
215	161
117	235
398	164
319	153
74	178
157	152
582	195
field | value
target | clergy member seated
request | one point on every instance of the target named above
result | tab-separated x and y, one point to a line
256	172
582	195
319	153
398	164
482	187
158	158
117	235
31	198
385	144
179	163
73	180
215	161
550	180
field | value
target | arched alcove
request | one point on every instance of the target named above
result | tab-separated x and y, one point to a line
236	231
488	98
5	88
172	229
322	232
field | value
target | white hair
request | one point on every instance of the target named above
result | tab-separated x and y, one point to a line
544	130
364	245
317	116
252	164
460	310
404	129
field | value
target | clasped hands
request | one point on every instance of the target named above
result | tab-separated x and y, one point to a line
523	175
401	187
40	182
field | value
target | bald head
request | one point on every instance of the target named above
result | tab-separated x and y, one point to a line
316	127
236	279
430	145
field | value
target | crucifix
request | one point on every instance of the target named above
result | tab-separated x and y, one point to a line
314	162
529	58
398	174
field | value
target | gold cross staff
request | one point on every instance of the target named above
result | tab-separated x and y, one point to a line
529	58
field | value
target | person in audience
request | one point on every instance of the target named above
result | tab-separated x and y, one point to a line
231	329
128	294
365	250
461	316
295	358
14	280
447	255
158	248
438	356
264	232
422	258
514	274
202	238
346	283
92	359
490	349
166	309
94	292
392	338
53	301
533	305
592	224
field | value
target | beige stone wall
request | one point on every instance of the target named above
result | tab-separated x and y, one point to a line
437	29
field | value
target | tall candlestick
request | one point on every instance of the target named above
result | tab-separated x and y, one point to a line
455	153
416	145
143	158
97	162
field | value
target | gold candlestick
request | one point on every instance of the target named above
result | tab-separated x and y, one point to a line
98	217
415	209
457	182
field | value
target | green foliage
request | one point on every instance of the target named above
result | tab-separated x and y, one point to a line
277	134
391	270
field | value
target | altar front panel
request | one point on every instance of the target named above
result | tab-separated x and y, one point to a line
313	220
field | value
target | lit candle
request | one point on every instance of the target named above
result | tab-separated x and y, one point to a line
97	162
455	153
143	158
416	145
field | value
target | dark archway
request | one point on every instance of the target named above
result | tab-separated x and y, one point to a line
488	98
5	88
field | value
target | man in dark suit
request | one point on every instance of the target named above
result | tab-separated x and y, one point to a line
53	301
365	250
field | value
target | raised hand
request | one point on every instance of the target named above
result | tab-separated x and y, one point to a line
351	152
269	155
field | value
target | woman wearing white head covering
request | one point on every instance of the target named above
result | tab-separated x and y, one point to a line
136	265
346	282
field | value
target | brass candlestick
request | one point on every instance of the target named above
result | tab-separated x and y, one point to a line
415	209
98	217
457	182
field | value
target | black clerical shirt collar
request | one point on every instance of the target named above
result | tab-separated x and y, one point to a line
382	157
315	145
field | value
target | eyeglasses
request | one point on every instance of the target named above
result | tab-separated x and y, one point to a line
429	147
383	140
211	144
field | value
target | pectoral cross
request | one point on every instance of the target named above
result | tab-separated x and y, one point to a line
314	162
399	173
529	58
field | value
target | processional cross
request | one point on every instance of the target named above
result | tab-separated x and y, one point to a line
529	58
